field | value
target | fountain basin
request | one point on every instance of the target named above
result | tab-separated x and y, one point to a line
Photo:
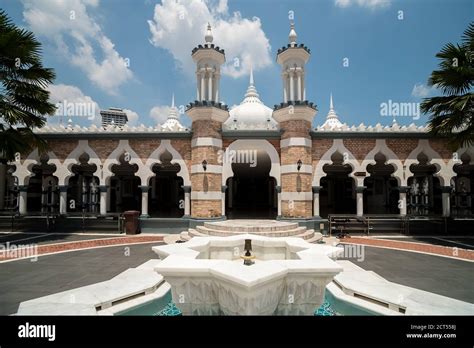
208	277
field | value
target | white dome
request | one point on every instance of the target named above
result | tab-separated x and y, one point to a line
251	113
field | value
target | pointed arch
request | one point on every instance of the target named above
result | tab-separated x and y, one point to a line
254	144
165	145
349	158
392	158
443	173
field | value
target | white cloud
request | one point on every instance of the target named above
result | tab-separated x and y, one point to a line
421	91
180	26
74	104
160	113
372	4
132	117
75	34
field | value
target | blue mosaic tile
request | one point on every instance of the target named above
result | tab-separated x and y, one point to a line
171	310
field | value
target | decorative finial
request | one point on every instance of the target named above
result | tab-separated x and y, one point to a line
251	83
173	113
292	36
331	105
209	36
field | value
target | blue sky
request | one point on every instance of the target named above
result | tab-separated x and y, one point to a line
90	48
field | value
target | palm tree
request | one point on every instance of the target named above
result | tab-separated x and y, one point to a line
452	114
23	94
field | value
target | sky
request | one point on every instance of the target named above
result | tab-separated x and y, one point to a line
135	54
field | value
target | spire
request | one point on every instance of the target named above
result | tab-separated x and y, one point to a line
332	120
251	76
251	90
209	36
172	101
292	36
173	113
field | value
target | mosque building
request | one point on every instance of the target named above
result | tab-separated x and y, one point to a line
251	161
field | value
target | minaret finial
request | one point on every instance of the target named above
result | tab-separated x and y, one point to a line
331	105
208	36
172	101
292	36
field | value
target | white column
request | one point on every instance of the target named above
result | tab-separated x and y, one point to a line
187	200
446	199
217	77
198	80
299	85
203	87
145	190
285	87
278	189
3	174
402	200
360	200
103	200
209	79
303	87
223	189
292	95
22	198
316	200
62	200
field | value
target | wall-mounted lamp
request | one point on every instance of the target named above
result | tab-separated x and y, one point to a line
204	165
298	164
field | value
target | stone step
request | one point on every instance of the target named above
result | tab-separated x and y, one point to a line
194	233
251	226
224	233
317	236
308	234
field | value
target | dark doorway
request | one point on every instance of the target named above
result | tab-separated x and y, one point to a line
251	192
337	194
125	192
381	194
166	196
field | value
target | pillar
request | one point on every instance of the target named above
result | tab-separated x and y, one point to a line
210	97
223	189
63	199
292	91
145	189
187	201
299	86
316	190
216	87
3	174
22	199
360	200
198	85
446	200
203	86
285	88
402	200
278	190
103	199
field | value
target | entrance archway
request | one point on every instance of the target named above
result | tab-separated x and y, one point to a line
166	196
83	188
424	195
43	190
337	195
251	191
381	194
462	200
125	192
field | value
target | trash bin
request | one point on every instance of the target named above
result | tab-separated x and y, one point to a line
131	222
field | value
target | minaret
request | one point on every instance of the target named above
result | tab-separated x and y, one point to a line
295	115
208	59
207	115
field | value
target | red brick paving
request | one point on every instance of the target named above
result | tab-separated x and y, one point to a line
420	247
85	244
